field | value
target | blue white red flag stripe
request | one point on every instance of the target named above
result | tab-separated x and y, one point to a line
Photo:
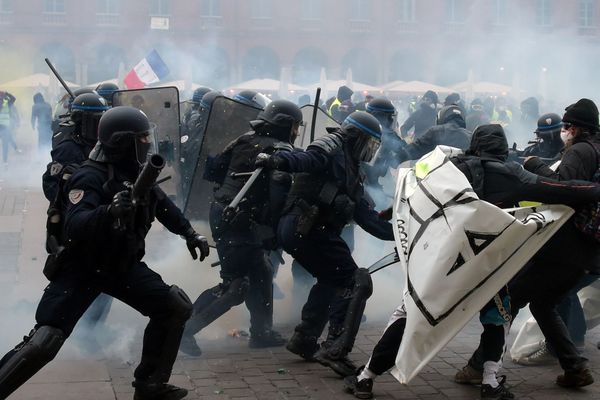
149	70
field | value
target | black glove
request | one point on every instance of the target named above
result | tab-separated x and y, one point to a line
121	205
195	241
267	161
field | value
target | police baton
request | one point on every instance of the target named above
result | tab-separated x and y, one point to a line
385	261
60	79
314	116
229	211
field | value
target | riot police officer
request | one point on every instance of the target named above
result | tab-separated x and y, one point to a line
327	193
105	232
391	143
548	144
71	147
106	90
243	234
252	98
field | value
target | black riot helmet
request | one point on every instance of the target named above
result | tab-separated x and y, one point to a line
77	92
451	113
86	111
548	127
199	93
363	133
252	98
106	90
124	138
209	98
385	112
280	118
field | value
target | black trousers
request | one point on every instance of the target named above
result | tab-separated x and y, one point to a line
543	283
70	294
327	257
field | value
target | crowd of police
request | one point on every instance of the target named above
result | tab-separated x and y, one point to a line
269	195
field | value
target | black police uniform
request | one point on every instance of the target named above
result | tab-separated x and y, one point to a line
71	152
243	239
102	259
327	193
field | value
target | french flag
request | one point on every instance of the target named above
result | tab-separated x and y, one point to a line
150	70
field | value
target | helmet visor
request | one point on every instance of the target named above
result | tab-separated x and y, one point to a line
145	144
365	148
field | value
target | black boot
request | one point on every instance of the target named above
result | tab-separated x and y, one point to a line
304	346
189	345
157	391
331	355
340	364
267	338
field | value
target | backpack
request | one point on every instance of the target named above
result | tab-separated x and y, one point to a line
587	218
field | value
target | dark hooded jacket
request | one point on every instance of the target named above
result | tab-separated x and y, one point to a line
422	119
450	132
505	183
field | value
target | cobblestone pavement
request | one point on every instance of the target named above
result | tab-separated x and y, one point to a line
228	369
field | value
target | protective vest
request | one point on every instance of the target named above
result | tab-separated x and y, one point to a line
242	155
336	103
332	195
5	114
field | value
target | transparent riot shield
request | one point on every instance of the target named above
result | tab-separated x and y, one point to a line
322	121
193	125
161	105
227	120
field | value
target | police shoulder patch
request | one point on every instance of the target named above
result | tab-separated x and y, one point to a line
75	195
55	168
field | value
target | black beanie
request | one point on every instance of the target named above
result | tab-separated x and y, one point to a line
584	113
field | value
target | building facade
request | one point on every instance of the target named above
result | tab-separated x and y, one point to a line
221	42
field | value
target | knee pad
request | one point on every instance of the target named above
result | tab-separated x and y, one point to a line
363	284
37	350
181	303
234	292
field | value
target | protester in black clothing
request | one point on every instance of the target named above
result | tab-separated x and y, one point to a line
476	115
553	272
423	118
449	131
41	114
503	184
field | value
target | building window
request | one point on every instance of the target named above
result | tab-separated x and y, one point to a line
108	7
160	7
54	6
262	9
543	16
210	8
455	13
407	11
6	6
311	9
360	10
586	13
500	12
